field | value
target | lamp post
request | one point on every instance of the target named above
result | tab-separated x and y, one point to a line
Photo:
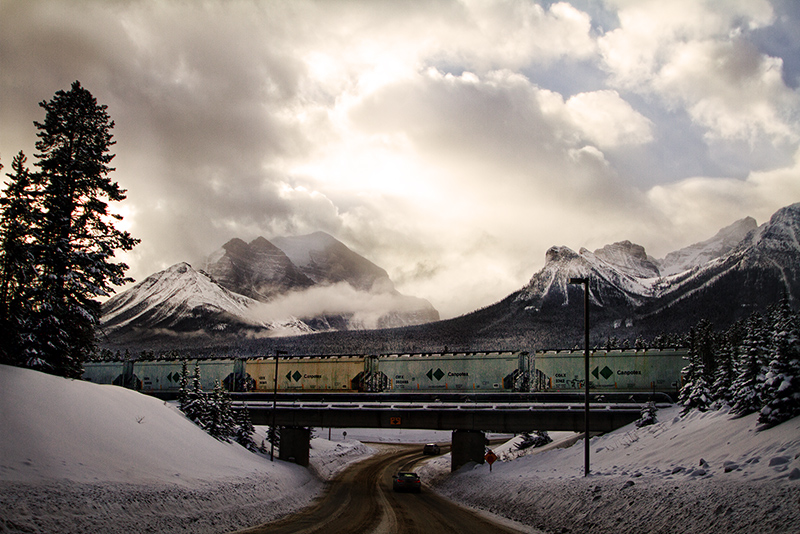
274	407
585	282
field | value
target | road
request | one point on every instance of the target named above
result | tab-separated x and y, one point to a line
360	500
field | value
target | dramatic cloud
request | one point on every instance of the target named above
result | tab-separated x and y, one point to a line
452	142
364	309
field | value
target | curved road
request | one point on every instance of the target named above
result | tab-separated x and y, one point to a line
361	500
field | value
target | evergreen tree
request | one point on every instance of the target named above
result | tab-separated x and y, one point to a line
723	377
197	406
695	393
77	239
648	415
704	343
18	221
183	393
244	429
781	388
222	424
750	368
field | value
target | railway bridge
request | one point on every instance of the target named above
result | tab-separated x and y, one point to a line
468	420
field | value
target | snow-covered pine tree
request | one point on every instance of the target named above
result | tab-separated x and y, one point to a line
723	376
698	394
612	342
183	392
244	429
749	367
197	406
648	415
781	389
704	342
695	393
222	424
75	239
18	221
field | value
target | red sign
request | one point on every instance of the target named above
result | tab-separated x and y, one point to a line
490	457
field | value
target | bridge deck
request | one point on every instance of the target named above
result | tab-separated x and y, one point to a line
479	417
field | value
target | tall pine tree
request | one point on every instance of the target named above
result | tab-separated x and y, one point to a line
695	393
750	367
781	388
18	222
77	238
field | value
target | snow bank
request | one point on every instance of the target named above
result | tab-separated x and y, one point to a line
82	457
703	473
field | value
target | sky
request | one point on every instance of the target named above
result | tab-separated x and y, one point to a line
451	142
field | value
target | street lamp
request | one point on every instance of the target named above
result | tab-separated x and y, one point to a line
274	407
585	282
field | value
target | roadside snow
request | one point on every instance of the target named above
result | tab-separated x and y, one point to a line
82	457
702	473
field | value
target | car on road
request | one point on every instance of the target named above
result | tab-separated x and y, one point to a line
430	448
405	481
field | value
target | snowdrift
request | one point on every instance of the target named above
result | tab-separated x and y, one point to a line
82	457
705	472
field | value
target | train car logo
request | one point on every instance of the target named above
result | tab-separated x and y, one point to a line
437	374
297	376
174	377
605	373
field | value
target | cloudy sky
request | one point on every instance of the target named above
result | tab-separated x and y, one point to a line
452	142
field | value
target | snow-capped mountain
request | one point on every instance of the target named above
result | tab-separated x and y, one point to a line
742	268
630	296
612	286
256	287
178	298
701	253
762	268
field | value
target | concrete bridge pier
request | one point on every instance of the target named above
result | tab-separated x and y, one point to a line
466	446
295	444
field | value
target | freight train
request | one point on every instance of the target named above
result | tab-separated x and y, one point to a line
500	371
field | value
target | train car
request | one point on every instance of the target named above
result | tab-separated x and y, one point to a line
614	370
481	371
113	372
163	376
315	373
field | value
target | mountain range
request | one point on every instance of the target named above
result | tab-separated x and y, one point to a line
294	285
743	268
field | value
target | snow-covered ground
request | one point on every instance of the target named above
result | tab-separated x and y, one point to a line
701	473
82	457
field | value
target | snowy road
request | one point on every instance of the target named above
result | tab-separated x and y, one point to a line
360	500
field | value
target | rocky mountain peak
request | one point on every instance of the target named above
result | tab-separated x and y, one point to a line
784	225
701	253
259	270
630	258
559	254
